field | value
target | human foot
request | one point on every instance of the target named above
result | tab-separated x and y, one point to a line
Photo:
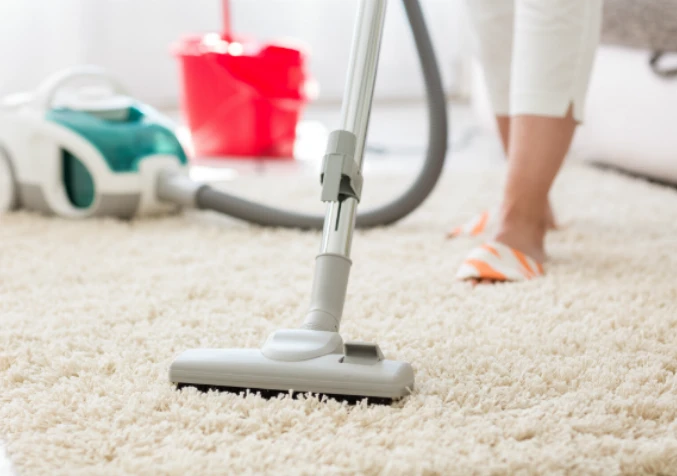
516	253
495	262
524	233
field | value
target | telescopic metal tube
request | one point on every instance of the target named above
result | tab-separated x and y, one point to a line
332	266
359	91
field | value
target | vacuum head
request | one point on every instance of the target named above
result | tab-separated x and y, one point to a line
298	361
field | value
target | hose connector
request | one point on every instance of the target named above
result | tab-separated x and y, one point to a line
177	188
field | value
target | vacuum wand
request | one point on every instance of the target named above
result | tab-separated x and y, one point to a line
314	358
343	166
341	175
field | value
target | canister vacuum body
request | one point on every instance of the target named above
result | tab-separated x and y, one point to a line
84	151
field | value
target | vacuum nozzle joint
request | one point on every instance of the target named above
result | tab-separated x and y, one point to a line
341	176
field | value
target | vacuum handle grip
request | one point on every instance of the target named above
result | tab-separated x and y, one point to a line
47	90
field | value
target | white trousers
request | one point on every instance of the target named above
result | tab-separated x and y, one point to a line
537	55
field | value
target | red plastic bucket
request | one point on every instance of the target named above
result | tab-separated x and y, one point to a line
242	98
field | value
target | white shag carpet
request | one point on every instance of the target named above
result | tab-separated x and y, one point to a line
5	465
571	374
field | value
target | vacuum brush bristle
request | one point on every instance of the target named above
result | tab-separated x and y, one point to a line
272	394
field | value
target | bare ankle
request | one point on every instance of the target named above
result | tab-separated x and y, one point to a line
530	215
524	228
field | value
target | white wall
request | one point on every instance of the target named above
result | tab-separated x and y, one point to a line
132	39
37	37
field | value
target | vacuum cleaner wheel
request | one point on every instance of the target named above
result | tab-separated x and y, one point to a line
8	187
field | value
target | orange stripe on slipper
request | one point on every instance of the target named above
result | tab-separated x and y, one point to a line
530	273
485	271
479	228
491	250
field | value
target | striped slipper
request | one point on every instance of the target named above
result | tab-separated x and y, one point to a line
498	262
476	226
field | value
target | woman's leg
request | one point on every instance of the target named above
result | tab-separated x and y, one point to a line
553	51
538	145
494	22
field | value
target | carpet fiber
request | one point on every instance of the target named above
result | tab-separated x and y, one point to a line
570	374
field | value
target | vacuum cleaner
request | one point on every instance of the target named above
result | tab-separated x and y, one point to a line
86	151
93	151
81	147
314	358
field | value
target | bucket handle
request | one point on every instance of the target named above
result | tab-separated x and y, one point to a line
226	19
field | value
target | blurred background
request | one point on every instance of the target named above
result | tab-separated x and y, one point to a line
132	38
631	120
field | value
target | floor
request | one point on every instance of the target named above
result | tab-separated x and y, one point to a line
574	373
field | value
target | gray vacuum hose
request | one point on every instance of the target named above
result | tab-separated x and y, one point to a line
210	199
